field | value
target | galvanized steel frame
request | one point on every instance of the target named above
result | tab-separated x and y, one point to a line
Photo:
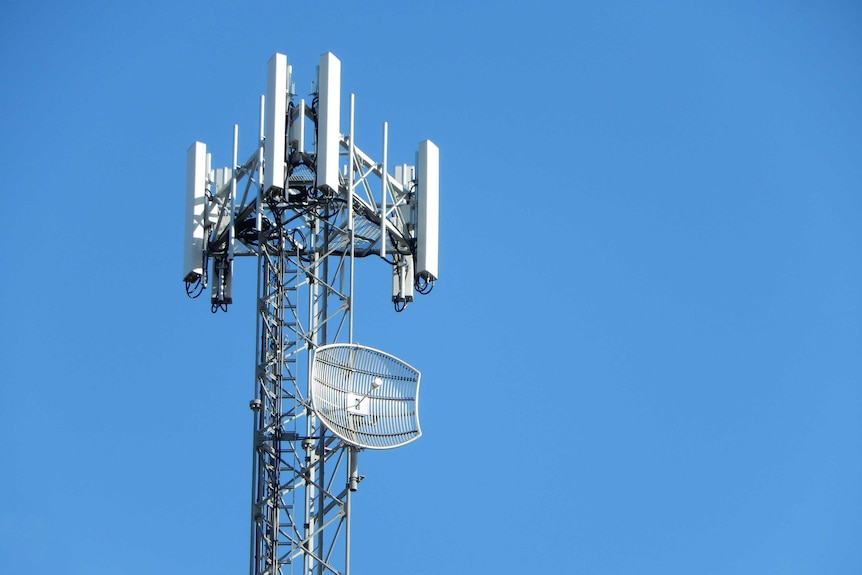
300	507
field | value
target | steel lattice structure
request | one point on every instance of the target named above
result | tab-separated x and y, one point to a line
299	307
306	204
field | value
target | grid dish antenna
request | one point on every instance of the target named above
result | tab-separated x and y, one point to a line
366	397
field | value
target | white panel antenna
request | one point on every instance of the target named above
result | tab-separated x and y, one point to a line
368	398
297	129
196	182
428	205
218	215
328	120
277	96
404	173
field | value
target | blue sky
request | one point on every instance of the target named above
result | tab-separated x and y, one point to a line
644	353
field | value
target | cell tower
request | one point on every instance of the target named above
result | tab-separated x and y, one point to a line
307	203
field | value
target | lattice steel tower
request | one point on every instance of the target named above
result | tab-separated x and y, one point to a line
307	204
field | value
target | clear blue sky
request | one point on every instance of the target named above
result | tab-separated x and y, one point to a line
644	354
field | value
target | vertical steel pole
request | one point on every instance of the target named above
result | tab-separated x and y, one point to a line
383	196
233	169
350	230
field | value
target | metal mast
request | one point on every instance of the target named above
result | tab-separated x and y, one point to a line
299	506
307	203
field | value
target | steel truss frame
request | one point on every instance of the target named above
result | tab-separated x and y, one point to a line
300	508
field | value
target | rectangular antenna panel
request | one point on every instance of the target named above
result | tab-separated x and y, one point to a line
328	121
276	121
196	181
297	129
217	212
428	205
403	174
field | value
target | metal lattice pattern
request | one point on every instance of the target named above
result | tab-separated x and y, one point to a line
366	397
301	496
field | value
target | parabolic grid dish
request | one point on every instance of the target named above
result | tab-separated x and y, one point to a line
366	397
